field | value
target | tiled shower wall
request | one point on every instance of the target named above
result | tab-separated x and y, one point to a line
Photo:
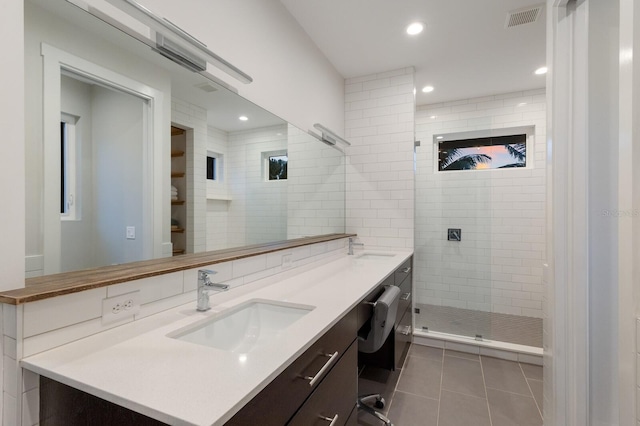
379	122
497	266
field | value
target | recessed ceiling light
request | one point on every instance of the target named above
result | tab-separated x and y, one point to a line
439	137
541	71
415	28
427	89
522	104
243	118
433	117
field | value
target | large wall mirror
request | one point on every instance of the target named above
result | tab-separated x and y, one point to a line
131	156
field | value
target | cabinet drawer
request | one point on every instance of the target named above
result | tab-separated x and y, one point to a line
404	331
403	271
405	298
285	394
335	397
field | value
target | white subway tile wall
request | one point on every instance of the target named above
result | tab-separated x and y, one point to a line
217	191
497	266
316	199
379	122
258	209
45	329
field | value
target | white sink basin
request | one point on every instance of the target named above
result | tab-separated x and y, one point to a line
244	328
373	255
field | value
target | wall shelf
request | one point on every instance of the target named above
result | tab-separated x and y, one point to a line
175	153
177	202
177	175
179	231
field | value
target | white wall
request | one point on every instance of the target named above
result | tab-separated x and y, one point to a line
217	191
194	119
497	267
316	199
12	165
292	78
77	235
379	122
117	139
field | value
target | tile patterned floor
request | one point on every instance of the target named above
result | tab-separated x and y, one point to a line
439	387
492	326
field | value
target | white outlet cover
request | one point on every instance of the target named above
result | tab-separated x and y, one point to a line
131	232
122	307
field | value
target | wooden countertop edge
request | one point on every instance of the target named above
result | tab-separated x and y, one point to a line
48	286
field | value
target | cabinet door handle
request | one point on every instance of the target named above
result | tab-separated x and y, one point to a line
405	296
406	270
329	419
314	379
406	330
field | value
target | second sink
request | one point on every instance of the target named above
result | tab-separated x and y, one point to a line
244	328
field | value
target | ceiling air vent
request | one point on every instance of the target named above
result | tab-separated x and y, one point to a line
523	16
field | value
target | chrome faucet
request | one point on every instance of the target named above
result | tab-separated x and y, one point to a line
351	244
204	286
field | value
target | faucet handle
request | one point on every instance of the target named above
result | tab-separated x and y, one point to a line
205	273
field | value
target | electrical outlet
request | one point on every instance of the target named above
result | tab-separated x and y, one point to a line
287	261
121	307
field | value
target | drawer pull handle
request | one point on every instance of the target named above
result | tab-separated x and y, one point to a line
329	419
323	370
406	270
405	296
406	330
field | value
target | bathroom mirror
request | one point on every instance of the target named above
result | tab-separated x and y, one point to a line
131	156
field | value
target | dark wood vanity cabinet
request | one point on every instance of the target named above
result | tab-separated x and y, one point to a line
394	351
293	398
319	388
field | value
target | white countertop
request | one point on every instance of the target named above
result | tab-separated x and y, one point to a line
137	366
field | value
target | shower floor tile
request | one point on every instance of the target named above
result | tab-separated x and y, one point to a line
491	326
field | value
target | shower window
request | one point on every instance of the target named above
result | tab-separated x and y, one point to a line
501	152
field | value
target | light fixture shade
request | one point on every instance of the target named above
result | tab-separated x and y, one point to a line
328	136
178	37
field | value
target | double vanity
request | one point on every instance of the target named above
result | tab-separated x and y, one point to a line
279	349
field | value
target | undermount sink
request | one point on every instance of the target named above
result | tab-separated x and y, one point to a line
244	328
371	255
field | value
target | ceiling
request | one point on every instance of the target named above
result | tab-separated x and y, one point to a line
464	51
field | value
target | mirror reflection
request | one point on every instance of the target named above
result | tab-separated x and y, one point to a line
130	156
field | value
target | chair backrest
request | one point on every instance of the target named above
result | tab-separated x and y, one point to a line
382	320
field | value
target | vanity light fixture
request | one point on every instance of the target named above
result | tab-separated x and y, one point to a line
415	28
328	136
427	89
541	71
180	39
243	118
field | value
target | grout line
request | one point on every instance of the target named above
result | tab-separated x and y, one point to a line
484	382
531	390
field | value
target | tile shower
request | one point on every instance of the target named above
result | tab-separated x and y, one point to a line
484	280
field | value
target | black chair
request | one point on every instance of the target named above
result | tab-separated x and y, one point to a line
373	337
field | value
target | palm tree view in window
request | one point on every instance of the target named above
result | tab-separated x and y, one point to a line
502	152
278	167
